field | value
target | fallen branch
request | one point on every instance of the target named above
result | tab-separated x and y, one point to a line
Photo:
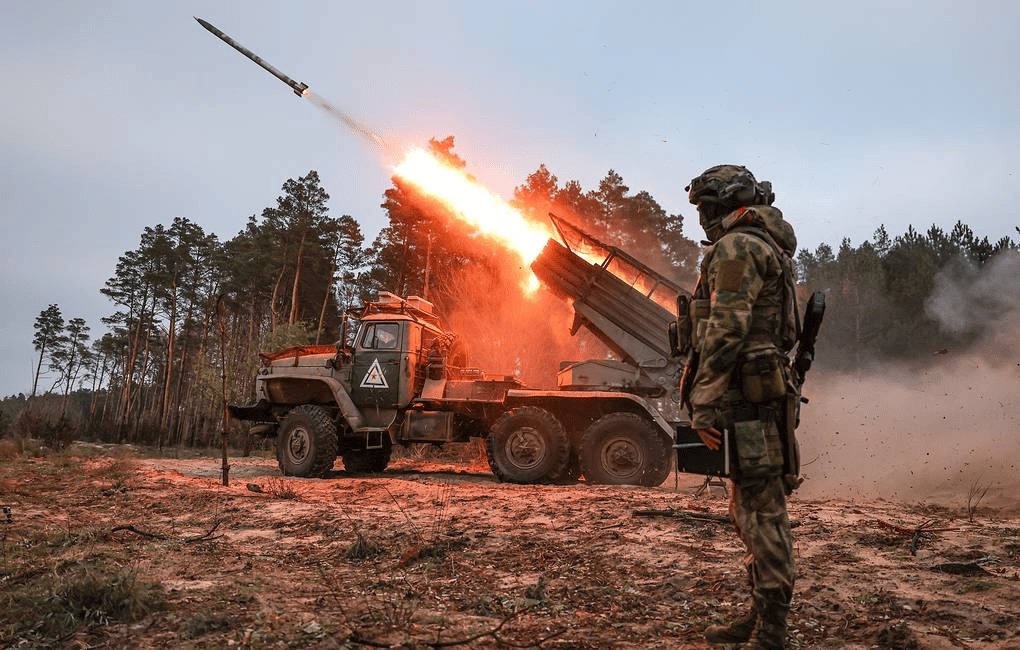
926	527
132	529
682	514
206	536
188	540
915	533
685	514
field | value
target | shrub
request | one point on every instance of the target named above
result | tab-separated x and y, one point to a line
88	596
44	420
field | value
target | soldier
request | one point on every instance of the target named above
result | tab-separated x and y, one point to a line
743	325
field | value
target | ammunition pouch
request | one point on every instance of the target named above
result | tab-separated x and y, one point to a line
680	334
758	449
698	318
763	374
691	323
764	440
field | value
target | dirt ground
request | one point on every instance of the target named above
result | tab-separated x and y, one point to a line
107	548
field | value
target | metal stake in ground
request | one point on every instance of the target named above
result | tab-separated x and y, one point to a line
224	434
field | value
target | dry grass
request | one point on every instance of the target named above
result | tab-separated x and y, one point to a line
281	488
9	449
60	579
46	604
418	556
974	497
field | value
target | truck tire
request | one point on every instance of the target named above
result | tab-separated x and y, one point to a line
624	449
367	461
306	444
572	472
665	468
528	445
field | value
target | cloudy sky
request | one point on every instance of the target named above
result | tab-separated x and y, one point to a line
119	115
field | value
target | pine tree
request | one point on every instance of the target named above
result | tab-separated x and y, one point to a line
300	222
49	330
69	359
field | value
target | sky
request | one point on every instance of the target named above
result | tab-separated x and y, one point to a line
118	115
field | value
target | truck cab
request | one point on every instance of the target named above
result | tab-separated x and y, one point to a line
390	356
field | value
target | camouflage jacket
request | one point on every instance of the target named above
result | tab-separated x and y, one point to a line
742	276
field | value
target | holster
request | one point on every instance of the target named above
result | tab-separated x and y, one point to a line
788	432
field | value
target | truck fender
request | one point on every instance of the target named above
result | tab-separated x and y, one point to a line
350	412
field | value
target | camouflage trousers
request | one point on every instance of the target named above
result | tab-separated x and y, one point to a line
758	509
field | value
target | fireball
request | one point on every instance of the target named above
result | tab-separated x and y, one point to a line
486	213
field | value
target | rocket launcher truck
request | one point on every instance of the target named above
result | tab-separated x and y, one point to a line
405	379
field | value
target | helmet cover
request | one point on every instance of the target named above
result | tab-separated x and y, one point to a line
729	186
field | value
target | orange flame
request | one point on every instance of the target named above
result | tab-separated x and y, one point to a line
473	204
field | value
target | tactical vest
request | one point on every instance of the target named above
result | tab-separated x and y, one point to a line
774	316
761	405
762	373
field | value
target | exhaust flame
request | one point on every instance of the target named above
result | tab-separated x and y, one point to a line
486	213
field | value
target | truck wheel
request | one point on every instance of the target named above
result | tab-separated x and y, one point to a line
306	444
623	449
572	471
665	466
528	445
367	461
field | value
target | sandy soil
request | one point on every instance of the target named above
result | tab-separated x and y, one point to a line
433	553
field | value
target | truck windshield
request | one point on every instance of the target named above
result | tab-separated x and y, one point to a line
380	336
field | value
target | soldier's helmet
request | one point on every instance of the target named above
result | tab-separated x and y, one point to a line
729	186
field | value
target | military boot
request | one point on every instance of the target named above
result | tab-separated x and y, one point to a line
739	629
770	633
736	631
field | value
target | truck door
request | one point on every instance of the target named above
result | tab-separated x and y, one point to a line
375	376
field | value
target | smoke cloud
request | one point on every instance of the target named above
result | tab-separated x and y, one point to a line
937	433
982	303
511	332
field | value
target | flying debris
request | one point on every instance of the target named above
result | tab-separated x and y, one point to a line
300	89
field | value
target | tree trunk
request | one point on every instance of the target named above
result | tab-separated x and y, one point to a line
138	395
171	339
294	303
123	410
38	370
428	268
272	301
97	381
325	301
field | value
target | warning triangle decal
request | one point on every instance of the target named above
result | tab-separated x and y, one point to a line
374	378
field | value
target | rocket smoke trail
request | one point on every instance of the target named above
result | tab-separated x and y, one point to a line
343	117
300	89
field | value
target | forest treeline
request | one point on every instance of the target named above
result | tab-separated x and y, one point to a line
189	312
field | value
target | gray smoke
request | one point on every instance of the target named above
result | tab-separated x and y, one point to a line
345	119
938	433
968	299
915	435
